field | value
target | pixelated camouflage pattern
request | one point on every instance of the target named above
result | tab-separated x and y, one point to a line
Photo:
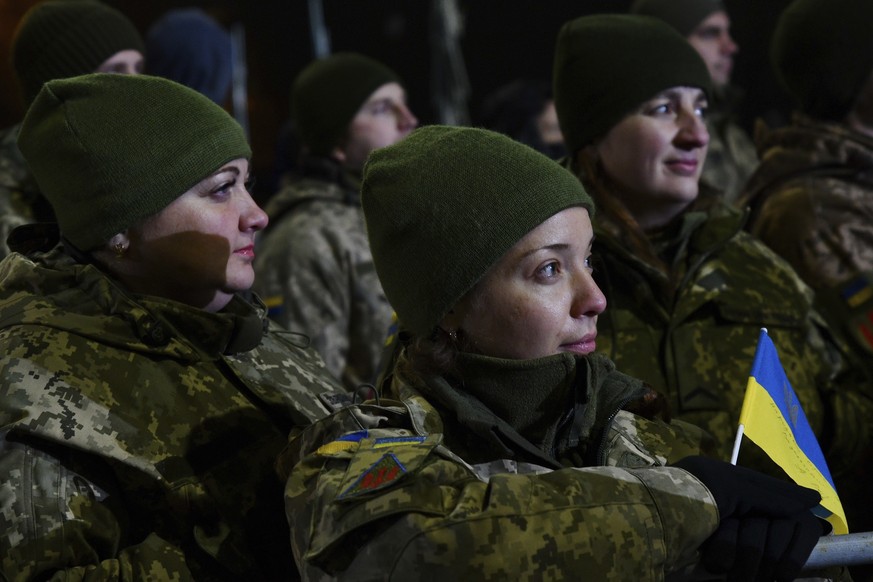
20	202
435	515
731	157
316	274
696	345
133	445
812	199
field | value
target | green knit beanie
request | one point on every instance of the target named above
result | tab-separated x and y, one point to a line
606	65
328	93
444	204
108	151
66	38
822	51
683	15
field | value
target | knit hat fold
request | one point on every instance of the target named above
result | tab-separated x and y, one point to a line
108	151
65	38
444	204
606	65
328	93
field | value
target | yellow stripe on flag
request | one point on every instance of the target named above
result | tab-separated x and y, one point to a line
773	418
765	423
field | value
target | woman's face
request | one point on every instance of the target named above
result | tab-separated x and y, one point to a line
656	154
540	298
199	250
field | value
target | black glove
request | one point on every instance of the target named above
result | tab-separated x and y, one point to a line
767	530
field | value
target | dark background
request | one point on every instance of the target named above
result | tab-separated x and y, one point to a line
502	40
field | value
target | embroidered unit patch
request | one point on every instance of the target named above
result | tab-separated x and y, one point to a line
382	472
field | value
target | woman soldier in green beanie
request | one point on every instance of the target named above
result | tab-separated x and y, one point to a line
688	290
57	39
500	446
143	397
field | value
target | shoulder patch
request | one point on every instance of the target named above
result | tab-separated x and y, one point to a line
275	305
387	469
392	441
347	442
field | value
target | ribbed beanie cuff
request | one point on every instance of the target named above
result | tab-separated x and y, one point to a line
444	204
108	151
66	38
606	65
328	93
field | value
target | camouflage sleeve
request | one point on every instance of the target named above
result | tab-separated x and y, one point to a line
392	506
53	520
817	228
304	278
631	441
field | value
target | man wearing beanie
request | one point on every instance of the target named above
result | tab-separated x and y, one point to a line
812	197
687	289
314	267
144	395
731	157
55	40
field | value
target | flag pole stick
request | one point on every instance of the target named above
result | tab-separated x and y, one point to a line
736	452
841	550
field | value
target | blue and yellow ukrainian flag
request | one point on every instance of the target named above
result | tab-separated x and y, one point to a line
773	418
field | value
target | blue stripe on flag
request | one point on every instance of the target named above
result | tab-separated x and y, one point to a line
773	418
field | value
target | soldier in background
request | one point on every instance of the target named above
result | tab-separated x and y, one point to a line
688	289
314	267
55	40
189	46
143	398
524	109
502	447
812	197
731	157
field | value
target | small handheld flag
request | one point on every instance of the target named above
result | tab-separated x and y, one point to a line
772	417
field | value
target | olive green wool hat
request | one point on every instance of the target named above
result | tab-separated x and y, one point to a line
822	52
607	65
66	38
108	151
683	15
444	204
328	93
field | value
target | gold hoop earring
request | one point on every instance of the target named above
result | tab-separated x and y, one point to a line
453	335
119	249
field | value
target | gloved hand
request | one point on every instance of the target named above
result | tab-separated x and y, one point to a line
767	530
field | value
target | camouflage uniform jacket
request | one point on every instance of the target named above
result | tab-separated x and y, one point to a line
692	332
812	202
731	157
20	200
316	274
434	485
139	434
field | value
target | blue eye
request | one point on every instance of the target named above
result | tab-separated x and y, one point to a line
549	270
